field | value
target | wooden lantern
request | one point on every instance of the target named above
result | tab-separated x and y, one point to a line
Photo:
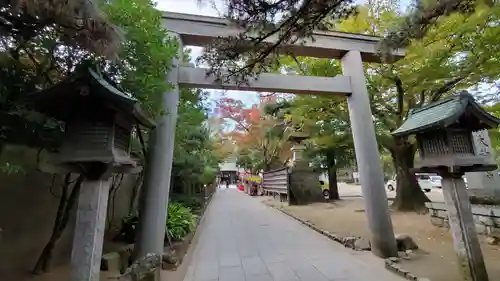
443	131
98	120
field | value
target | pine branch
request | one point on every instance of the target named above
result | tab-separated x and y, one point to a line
422	17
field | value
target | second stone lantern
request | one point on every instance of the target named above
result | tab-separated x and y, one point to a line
443	132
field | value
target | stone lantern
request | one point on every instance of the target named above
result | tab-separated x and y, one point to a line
98	121
98	124
298	147
444	136
303	180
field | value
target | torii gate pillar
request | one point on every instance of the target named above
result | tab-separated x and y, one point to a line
352	49
368	158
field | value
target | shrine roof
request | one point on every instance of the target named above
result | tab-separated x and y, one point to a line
444	113
64	98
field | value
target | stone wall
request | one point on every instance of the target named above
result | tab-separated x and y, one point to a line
487	217
28	204
484	196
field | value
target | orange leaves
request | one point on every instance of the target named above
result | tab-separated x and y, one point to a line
246	124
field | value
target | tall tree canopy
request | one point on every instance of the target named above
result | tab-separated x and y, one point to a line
459	52
78	22
293	21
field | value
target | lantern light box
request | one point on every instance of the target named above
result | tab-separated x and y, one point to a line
443	131
98	120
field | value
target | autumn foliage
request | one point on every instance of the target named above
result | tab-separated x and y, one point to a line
259	142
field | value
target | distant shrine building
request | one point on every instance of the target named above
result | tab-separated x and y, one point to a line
229	171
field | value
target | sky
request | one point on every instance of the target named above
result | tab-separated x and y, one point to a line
192	7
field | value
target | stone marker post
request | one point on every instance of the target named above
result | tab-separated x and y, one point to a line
463	228
483	180
89	230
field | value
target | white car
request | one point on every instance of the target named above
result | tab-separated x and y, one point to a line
436	181
423	180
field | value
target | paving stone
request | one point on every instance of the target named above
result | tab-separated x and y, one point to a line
254	266
234	273
229	260
206	271
280	271
260	277
304	270
242	239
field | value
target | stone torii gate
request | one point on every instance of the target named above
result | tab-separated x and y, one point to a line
351	49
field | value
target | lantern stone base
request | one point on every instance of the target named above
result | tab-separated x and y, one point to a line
89	231
304	186
463	228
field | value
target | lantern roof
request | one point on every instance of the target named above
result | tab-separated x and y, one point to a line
63	100
445	113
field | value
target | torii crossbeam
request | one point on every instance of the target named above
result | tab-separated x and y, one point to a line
351	49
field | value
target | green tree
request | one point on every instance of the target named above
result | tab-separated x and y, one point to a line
293	21
325	118
194	156
47	56
331	152
495	133
77	22
145	55
330	144
457	53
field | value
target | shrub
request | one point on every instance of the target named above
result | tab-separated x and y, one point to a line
128	228
181	221
192	202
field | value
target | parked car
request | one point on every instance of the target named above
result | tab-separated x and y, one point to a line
422	179
324	188
435	181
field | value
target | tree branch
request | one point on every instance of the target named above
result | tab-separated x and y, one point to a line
400	96
437	94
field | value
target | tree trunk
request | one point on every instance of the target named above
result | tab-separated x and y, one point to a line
66	205
333	186
134	199
409	195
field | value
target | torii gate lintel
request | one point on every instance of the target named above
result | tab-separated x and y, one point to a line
351	49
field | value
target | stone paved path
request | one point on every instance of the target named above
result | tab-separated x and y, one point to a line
242	239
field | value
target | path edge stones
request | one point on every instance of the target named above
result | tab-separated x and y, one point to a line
391	264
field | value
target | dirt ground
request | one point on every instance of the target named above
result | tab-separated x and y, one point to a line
347	218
